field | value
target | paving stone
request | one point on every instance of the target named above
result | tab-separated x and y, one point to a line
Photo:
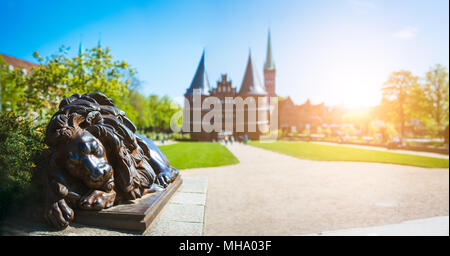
183	212
189	198
194	185
175	228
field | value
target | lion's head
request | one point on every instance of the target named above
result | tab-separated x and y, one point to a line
87	161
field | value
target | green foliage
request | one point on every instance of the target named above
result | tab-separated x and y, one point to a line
157	136
391	132
397	98
161	111
152	112
37	95
11	88
406	98
60	76
21	144
436	96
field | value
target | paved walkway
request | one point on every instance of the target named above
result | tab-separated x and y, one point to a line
411	152
436	226
269	193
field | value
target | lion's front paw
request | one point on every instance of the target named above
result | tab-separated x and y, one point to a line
59	214
98	200
166	177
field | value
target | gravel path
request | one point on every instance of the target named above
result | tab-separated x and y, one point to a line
269	193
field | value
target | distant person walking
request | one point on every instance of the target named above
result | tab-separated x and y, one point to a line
245	138
226	139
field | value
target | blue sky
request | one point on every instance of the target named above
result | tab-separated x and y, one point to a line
332	51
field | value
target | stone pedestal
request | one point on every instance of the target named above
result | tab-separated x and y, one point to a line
134	215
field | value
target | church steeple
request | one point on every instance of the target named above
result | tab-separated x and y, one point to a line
80	48
99	43
200	80
269	64
269	70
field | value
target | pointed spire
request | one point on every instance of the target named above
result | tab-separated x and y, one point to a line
80	49
200	81
251	84
99	44
269	64
80	46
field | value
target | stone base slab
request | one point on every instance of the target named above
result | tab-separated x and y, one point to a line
134	215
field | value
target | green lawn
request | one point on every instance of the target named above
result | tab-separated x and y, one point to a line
320	152
186	155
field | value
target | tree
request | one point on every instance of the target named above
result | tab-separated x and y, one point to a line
140	115
397	99
437	96
11	88
60	76
21	145
161	111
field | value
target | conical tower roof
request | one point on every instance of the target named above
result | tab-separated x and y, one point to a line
269	64
200	81
251	84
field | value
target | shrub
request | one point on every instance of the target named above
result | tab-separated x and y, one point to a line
21	145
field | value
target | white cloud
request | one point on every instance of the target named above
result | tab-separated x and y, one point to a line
406	33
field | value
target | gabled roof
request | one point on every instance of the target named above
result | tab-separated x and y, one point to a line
18	63
269	64
286	101
251	84
200	81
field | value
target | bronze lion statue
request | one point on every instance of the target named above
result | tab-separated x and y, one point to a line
95	159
